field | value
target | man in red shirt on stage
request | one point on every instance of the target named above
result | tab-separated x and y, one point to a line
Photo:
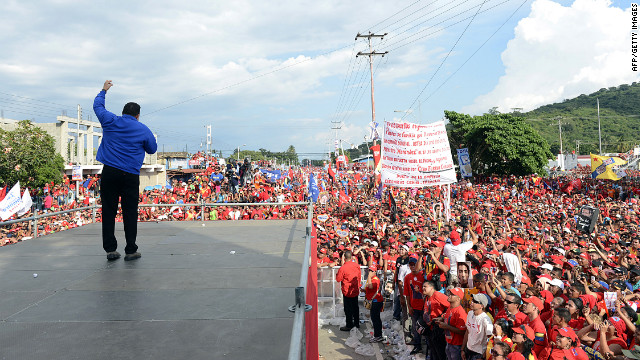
349	277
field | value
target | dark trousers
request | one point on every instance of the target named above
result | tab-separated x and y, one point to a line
351	311
376	308
437	343
119	186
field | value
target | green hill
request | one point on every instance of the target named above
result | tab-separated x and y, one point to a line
619	120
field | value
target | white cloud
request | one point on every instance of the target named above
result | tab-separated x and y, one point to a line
560	52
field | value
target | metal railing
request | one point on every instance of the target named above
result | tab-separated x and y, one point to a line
94	208
297	348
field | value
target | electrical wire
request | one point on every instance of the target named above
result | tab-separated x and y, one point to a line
476	51
445	59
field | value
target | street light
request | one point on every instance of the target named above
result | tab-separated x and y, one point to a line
243	145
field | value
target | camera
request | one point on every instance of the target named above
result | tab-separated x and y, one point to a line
425	251
464	220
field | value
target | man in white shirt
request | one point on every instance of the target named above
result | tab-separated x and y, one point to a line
479	329
457	250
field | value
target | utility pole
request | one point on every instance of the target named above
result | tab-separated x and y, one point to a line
336	125
578	147
599	132
560	133
208	145
371	54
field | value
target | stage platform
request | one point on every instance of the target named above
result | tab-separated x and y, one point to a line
188	297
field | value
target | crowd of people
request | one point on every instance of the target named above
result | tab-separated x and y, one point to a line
217	184
507	275
503	273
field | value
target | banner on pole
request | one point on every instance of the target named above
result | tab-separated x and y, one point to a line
11	203
464	163
76	174
415	155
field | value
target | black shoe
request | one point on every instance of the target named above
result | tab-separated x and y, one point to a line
415	350
135	255
113	255
345	328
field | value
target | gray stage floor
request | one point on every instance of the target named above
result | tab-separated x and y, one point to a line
188	297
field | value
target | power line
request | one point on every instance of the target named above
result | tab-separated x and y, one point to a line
48	102
444	27
445	58
478	49
247	80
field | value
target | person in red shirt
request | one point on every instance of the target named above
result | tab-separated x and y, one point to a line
349	277
453	322
372	293
532	308
511	310
435	305
413	293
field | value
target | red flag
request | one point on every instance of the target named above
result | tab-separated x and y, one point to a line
332	175
3	193
376	155
343	198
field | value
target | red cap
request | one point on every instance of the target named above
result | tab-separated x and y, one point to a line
525	330
535	301
457	292
373	268
568	332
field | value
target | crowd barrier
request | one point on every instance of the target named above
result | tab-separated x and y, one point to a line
297	348
94	208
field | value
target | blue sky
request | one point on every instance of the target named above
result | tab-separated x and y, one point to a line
272	75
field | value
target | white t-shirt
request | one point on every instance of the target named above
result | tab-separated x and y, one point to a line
456	254
403	270
479	328
513	266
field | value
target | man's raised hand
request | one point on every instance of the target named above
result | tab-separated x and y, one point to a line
107	84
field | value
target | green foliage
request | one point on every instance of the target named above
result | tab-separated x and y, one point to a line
498	143
28	155
287	156
620	125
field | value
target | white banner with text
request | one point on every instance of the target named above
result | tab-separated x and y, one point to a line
415	155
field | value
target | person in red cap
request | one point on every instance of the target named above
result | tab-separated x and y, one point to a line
523	336
612	332
453	322
457	250
414	299
372	293
349	277
566	346
435	305
437	265
532	308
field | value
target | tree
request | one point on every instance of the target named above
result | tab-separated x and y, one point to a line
28	155
499	144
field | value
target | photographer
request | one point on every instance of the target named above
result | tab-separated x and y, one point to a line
457	250
436	265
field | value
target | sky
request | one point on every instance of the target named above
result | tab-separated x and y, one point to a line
274	74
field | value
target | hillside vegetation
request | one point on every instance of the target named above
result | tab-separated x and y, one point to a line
619	119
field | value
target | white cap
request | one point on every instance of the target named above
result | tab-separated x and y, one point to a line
405	247
558	283
374	243
547	267
560	250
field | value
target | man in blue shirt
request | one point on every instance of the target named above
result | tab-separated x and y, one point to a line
125	141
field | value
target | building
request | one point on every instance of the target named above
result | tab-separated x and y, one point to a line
71	134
